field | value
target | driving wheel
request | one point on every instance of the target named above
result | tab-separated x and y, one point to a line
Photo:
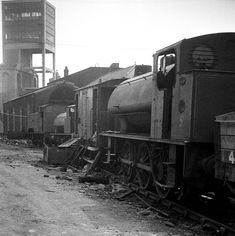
159	171
144	177
126	158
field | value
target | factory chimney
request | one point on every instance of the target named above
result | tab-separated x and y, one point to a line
66	71
114	66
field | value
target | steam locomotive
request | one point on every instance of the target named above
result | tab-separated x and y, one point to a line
162	124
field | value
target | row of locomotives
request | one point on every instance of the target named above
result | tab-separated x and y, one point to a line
35	114
164	122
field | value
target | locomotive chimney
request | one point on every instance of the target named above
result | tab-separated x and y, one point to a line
66	71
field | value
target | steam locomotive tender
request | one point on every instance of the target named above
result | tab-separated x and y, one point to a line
163	129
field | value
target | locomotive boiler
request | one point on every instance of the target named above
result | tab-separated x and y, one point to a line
131	103
164	121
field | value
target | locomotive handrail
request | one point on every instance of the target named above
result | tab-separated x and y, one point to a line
206	70
137	78
225	121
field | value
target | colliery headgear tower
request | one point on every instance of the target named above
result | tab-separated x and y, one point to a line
28	28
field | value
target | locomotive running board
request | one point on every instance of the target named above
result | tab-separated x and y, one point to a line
141	138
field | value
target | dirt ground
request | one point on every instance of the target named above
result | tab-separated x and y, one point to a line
37	200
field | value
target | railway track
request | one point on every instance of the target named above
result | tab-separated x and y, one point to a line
219	228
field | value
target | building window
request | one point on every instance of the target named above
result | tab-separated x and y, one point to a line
13	120
19	85
8	121
28	109
23	16
23	35
36	14
21	119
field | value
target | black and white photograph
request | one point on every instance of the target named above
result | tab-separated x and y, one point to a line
117	118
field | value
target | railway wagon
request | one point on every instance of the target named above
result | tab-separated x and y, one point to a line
165	132
224	150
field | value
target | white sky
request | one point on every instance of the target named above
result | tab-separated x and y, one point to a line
100	32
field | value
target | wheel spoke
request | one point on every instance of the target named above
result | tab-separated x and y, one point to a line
159	171
127	154
144	177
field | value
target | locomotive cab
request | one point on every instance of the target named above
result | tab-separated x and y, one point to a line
165	76
184	108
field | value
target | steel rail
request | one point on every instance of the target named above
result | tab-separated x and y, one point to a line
221	229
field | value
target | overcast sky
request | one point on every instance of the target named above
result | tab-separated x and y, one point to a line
100	32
